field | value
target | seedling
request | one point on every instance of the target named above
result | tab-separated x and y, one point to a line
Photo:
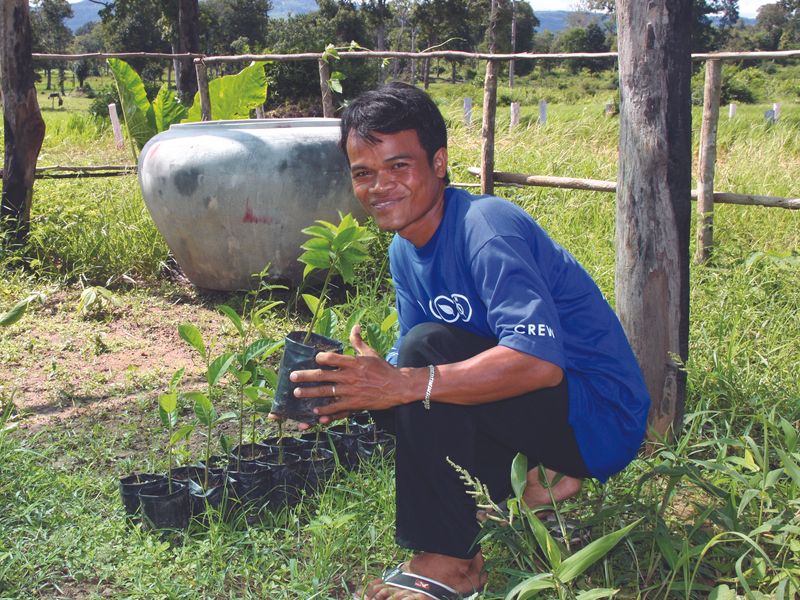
168	412
337	249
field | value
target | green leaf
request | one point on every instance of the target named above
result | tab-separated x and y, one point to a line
192	336
203	408
389	322
519	475
327	323
595	594
233	317
180	434
543	537
218	367
530	587
225	443
228	416
335	85
791	467
317	243
234	96
722	592
323	232
17	311
167	109
312	302
263	404
260	349
585	557
136	108
242	376
176	379
317	259
168	402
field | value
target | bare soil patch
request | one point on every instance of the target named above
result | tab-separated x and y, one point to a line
59	365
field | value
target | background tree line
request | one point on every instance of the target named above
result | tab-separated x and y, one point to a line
244	26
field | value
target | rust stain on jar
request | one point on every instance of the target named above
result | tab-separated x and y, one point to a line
251	217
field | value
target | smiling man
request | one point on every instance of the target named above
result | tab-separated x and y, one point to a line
506	345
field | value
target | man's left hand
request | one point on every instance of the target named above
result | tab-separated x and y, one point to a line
363	382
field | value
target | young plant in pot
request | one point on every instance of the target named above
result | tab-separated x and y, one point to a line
335	249
154	484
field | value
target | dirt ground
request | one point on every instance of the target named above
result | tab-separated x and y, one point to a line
58	365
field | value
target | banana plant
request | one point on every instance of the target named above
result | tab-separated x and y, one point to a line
335	249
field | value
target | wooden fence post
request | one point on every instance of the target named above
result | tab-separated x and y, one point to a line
23	123
514	115
202	88
325	88
706	162
653	198
542	112
488	128
489	111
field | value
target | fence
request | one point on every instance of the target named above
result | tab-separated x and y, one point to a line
705	194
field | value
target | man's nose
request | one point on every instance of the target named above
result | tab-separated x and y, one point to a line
383	180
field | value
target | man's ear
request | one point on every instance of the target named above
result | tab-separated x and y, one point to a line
440	163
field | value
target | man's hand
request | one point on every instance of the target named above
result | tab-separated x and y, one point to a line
363	382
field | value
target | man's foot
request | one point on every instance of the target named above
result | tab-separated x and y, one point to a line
463	576
536	494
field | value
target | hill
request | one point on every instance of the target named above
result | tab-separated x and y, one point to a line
86	11
550	20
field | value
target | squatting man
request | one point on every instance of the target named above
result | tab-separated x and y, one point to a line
506	345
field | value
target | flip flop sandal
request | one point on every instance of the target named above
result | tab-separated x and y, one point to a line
426	586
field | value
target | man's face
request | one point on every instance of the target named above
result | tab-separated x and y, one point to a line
397	185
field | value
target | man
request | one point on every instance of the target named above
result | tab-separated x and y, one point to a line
506	345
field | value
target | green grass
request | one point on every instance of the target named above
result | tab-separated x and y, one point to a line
712	500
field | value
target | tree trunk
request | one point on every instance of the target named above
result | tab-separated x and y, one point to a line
188	41
426	72
22	120
653	197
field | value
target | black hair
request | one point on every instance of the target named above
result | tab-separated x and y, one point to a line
392	108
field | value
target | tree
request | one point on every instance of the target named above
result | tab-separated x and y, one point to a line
134	26
23	126
653	198
589	39
227	20
88	38
790	38
50	34
704	36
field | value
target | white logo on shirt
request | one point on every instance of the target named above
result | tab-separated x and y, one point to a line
451	308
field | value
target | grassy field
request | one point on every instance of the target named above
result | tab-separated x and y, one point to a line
719	505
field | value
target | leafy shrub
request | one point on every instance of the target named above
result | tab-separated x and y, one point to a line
103	97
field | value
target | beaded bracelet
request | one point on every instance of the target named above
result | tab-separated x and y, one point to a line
427	401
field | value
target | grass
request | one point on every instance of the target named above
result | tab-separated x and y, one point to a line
720	503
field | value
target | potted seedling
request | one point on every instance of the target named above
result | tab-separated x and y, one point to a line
166	504
159	487
335	249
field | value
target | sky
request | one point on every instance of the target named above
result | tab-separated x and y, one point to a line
747	8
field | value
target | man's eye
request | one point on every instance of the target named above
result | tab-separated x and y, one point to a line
399	165
360	174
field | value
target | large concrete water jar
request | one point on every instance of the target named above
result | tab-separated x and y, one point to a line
229	197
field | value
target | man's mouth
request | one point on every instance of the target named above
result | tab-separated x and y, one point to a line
382	204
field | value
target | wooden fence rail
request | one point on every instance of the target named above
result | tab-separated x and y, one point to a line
599	185
706	164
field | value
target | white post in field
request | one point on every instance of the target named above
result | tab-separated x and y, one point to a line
542	112
514	115
776	111
467	111
115	125
731	110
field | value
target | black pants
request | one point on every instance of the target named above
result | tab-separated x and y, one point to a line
434	513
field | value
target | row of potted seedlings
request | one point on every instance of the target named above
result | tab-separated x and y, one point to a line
270	475
279	471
